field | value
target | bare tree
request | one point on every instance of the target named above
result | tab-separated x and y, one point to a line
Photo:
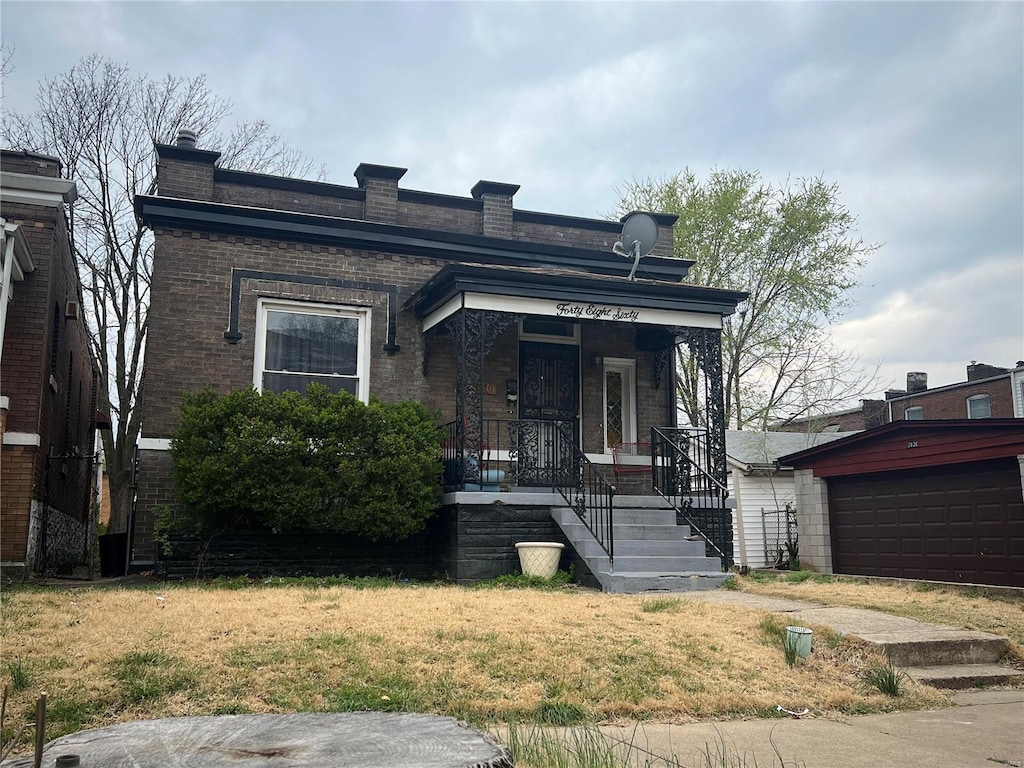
101	122
793	248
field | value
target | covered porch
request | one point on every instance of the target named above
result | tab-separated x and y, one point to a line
564	384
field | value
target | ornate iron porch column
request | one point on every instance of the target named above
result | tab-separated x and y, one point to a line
474	332
706	345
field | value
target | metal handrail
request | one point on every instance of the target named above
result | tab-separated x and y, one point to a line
678	478
557	460
589	494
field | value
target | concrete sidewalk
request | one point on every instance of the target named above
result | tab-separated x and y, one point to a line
985	730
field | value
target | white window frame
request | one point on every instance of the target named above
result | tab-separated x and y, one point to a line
574	339
917	410
626	367
362	314
979	399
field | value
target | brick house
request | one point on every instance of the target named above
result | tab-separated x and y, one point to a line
47	377
520	328
989	392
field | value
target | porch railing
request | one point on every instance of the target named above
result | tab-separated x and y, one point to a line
538	454
589	494
680	462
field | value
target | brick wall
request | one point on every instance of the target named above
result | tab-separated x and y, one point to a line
20	467
439	216
287	200
156	489
952	403
47	371
191	180
21	162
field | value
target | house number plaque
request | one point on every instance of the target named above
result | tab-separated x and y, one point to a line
597	312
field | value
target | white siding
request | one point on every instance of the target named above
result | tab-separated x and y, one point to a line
752	494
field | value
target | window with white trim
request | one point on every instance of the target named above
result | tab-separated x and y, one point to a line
619	402
299	343
979	407
914	414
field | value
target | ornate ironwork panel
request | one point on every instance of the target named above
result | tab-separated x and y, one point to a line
474	332
706	345
542	453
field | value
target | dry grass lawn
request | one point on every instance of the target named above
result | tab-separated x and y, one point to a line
958	608
489	656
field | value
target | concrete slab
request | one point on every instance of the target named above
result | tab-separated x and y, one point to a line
977	736
345	740
759	602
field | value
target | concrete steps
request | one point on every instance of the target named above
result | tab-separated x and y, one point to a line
956	677
952	659
652	553
943	647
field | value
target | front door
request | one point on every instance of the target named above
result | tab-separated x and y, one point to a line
549	384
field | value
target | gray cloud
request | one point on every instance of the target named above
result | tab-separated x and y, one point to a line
914	109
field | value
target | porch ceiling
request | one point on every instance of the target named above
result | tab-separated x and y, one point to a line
570	294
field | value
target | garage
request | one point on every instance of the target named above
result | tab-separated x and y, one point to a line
939	500
961	523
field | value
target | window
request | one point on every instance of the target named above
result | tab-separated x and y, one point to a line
914	414
979	407
619	402
549	329
301	343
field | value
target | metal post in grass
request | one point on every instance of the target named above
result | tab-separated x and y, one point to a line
40	730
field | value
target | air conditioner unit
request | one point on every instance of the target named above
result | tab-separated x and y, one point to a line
71	310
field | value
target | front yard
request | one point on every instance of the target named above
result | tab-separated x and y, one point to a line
488	656
963	608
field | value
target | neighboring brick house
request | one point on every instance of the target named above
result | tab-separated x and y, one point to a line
518	327
989	392
47	377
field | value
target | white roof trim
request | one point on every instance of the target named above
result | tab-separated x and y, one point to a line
572	310
23	261
36	190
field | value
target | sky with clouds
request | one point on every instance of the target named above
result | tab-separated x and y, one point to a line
915	110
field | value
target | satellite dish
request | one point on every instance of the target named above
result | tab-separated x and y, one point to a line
639	236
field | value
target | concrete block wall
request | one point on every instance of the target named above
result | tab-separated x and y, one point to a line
812	521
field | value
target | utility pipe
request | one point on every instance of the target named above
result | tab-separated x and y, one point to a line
5	291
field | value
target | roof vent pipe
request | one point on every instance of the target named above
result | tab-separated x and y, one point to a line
186	139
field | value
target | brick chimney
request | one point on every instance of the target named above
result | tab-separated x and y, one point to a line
917	381
184	171
977	371
497	200
380	182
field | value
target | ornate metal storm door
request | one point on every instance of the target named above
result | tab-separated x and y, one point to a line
549	397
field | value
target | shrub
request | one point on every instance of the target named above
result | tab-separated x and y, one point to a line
321	461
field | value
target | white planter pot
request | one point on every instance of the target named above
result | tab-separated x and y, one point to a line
539	558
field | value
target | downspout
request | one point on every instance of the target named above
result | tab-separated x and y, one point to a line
673	404
5	291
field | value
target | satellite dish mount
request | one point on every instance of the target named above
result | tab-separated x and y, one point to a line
639	236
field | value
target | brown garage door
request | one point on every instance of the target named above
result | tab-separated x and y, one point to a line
962	523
